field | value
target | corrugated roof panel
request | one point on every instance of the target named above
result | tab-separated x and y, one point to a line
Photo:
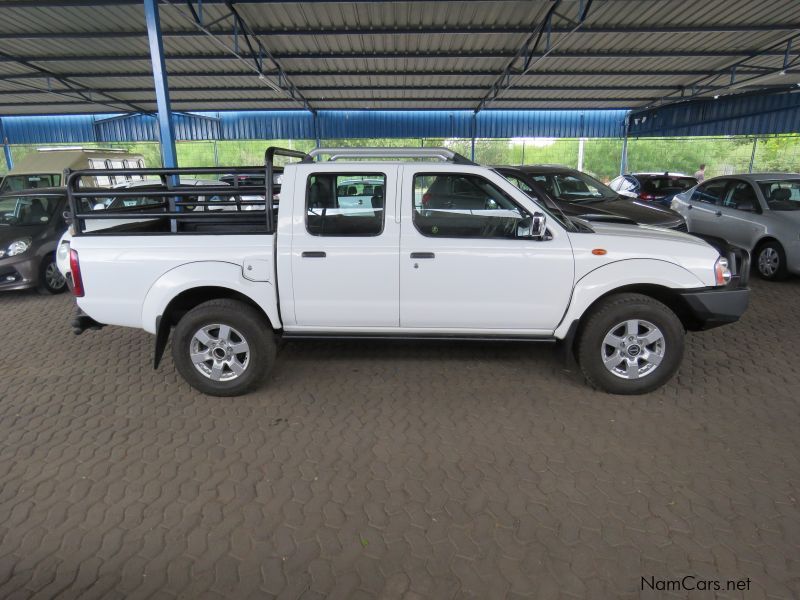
744	114
337	124
49	130
550	123
244	125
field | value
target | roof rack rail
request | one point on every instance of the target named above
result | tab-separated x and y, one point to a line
81	148
443	154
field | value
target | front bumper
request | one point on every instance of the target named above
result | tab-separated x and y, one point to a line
19	272
712	307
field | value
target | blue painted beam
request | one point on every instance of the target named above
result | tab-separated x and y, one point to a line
166	129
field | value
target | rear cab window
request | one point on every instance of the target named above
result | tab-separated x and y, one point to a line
345	204
667	184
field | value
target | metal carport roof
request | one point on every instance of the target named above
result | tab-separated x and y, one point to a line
90	56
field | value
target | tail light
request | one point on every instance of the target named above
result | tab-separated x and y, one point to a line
75	272
647	197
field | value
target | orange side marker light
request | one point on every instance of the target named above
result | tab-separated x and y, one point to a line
599	251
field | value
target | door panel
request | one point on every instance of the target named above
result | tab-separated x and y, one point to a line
738	222
474	282
704	213
345	245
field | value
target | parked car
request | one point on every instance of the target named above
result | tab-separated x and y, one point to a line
31	224
580	195
652	187
447	250
760	212
45	167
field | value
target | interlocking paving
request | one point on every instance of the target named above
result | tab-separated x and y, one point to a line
395	470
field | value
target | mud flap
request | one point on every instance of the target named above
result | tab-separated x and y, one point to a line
162	335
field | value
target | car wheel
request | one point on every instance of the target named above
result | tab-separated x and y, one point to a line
630	344
51	281
771	261
224	347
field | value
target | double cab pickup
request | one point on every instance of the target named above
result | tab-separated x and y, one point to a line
386	243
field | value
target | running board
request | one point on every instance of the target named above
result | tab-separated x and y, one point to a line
415	337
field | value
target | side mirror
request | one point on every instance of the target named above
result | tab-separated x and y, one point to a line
538	226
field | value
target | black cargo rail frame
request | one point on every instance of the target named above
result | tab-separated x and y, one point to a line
173	190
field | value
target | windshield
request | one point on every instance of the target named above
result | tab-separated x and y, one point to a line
782	194
27	210
17	183
574	186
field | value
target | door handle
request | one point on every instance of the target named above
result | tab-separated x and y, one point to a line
689	207
718	213
423	255
314	254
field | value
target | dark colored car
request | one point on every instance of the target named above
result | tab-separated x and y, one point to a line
577	194
31	223
653	187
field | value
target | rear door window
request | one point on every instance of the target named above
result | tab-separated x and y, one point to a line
711	192
345	204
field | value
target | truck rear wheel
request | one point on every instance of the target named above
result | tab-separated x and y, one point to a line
223	347
630	344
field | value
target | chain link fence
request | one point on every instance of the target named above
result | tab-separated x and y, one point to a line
599	156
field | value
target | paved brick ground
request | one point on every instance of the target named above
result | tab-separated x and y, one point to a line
408	470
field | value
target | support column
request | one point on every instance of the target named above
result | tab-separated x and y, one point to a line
623	163
6	147
581	142
474	131
753	155
169	156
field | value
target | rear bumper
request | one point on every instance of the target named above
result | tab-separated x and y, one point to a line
712	307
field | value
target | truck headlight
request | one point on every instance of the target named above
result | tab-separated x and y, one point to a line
16	247
722	273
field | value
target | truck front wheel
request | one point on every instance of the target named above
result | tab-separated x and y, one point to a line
630	344
223	347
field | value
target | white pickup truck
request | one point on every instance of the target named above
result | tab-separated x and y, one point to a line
432	247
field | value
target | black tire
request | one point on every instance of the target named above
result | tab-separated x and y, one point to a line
48	283
602	321
770	261
247	324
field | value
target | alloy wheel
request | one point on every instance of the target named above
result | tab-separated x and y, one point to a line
219	352
633	349
53	277
769	261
